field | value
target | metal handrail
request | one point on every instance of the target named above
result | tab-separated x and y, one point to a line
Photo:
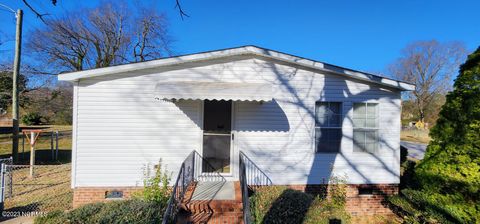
193	168
251	177
244	189
255	177
179	189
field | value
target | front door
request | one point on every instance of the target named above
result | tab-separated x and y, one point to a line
217	135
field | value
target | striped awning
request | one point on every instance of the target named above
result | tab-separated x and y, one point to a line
214	91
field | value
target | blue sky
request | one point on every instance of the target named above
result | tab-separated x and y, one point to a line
364	35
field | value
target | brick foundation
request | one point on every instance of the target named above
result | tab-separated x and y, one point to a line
86	195
368	204
362	199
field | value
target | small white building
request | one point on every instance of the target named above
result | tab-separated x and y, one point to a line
298	120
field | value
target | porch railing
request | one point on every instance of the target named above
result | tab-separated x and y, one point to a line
193	168
250	177
244	188
254	176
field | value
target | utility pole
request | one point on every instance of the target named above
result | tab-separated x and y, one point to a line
16	71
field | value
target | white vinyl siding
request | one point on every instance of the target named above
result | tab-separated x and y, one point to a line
121	127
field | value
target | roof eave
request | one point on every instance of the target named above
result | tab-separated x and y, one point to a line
74	76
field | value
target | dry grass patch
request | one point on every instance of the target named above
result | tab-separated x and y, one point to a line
48	190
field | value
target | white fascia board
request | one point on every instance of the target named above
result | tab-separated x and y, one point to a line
73	76
323	67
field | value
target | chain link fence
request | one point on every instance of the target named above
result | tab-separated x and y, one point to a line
48	189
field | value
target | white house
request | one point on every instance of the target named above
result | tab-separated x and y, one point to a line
298	120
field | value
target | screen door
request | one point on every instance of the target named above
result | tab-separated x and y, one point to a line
217	136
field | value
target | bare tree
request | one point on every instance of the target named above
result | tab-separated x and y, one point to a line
63	43
429	65
104	36
150	35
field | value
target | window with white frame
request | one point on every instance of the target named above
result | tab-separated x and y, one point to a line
328	126
365	127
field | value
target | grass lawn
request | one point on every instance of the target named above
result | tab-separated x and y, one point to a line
48	190
415	135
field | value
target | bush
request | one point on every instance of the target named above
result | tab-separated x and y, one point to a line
155	188
445	185
147	205
63	117
278	204
132	211
32	118
88	212
55	217
125	211
322	211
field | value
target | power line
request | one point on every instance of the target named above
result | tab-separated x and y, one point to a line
9	9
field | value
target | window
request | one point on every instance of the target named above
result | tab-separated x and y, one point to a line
328	126
365	127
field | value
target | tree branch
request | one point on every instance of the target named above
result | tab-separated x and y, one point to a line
40	16
180	10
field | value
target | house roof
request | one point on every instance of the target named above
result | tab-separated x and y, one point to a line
238	51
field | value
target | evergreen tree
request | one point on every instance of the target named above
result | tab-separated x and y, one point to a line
449	175
6	83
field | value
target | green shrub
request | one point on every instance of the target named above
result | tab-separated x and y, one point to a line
444	187
63	117
419	206
337	191
278	204
263	199
89	212
55	217
32	118
322	211
155	187
132	211
122	211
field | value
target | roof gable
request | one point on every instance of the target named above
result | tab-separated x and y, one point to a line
232	52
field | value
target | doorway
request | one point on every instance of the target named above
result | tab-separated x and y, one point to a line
217	136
